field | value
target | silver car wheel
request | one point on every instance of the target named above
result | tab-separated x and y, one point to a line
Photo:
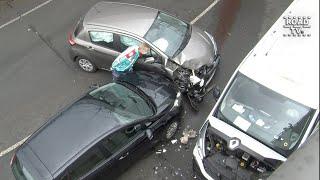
86	65
171	130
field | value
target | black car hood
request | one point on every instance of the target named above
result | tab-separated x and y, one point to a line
159	88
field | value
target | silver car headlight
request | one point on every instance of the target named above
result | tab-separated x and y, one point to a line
213	42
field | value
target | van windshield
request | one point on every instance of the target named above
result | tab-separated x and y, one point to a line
265	115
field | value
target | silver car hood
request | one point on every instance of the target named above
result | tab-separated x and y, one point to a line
198	52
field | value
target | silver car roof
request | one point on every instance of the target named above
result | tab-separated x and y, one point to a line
135	19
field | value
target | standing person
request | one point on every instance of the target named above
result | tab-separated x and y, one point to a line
124	62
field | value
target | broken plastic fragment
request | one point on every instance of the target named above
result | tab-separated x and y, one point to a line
164	150
184	139
174	141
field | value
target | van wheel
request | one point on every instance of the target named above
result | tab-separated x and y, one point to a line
170	130
86	65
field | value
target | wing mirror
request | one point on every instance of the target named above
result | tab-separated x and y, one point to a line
216	91
149	60
149	134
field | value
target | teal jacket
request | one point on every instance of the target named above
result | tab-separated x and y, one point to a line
126	59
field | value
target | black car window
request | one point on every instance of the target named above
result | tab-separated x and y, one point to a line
126	42
101	38
124	103
89	160
119	139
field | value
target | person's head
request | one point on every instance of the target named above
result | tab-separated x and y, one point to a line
144	48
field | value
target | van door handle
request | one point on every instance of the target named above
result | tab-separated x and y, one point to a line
124	156
90	48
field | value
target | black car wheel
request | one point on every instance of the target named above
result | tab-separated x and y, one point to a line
170	130
86	65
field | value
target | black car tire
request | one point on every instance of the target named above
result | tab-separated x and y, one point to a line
170	130
86	64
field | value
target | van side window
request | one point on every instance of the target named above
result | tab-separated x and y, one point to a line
88	161
101	38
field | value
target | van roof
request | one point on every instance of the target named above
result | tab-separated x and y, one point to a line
289	65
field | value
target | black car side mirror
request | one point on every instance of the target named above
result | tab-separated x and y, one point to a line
216	92
149	134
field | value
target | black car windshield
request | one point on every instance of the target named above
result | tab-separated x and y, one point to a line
125	104
269	117
168	34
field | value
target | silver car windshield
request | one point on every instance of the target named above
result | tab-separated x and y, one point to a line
168	34
265	115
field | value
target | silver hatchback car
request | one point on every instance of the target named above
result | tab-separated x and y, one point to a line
186	53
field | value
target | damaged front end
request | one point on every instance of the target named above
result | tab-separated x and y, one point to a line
223	161
195	83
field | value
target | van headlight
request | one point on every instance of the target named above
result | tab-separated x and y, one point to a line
201	139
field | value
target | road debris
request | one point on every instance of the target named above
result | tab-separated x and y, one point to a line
160	151
164	150
187	134
174	141
191	133
184	139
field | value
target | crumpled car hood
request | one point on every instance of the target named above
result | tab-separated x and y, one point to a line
198	52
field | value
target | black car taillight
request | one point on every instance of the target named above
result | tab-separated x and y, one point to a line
13	159
71	40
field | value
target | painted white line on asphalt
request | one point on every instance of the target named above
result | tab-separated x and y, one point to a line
2	153
204	12
24	14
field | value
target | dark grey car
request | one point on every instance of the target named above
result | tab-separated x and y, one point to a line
103	132
186	53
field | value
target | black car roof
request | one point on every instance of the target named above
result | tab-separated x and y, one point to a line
70	132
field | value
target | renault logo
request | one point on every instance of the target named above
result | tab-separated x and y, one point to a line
233	143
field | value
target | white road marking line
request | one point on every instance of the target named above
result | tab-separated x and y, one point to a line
204	12
2	153
24	14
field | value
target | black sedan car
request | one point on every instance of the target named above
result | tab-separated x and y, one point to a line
102	132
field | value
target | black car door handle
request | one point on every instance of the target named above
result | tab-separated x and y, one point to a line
124	156
90	48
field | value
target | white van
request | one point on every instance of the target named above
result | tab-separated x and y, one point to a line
270	106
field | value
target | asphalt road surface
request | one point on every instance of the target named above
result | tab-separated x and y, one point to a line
37	78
